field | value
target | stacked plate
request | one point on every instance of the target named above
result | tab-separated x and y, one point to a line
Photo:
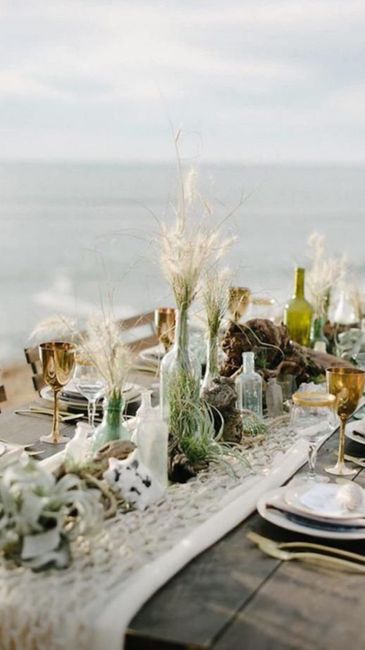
75	402
356	431
152	355
327	510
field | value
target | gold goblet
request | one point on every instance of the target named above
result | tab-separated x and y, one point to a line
58	360
165	321
347	385
239	300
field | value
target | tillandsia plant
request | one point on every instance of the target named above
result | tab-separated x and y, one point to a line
39	515
189	248
215	299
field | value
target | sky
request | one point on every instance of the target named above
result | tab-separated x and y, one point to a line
247	80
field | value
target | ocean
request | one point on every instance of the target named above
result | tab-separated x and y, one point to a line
70	233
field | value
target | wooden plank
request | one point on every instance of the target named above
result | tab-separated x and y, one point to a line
199	601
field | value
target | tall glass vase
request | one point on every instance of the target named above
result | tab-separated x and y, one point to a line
111	426
212	369
179	381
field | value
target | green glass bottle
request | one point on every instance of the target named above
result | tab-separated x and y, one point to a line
298	312
318	339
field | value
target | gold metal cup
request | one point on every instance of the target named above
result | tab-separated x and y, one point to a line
347	385
165	321
58	360
238	302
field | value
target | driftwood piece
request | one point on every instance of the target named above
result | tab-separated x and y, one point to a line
222	397
275	353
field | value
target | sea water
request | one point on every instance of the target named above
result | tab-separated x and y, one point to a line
71	233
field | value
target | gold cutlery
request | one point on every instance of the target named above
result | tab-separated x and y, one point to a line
357	461
152	369
317	553
39	413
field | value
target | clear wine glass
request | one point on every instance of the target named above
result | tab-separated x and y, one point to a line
312	418
91	385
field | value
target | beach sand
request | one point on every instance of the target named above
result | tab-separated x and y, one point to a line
17	380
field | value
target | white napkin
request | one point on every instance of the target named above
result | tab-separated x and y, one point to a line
322	498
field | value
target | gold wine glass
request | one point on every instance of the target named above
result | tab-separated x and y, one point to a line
165	321
58	360
347	385
239	300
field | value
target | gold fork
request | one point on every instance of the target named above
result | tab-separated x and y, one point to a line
277	550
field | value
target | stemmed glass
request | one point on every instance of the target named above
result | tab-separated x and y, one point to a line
312	417
239	300
91	385
165	321
347	385
58	360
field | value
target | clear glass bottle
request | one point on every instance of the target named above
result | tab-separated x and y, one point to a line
212	369
249	386
274	399
178	369
151	438
298	312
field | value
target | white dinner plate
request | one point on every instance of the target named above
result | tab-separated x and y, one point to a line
320	499
315	530
131	393
70	391
350	433
152	355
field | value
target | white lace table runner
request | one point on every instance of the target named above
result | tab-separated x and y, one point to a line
89	605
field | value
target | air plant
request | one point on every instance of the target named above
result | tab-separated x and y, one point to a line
39	515
323	274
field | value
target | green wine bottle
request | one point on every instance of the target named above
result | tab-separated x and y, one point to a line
298	312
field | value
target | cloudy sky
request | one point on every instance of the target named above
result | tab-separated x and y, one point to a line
255	80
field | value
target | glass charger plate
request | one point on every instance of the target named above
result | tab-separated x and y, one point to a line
315	529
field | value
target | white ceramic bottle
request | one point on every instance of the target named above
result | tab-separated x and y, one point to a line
151	438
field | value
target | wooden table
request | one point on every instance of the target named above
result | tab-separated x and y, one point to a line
233	597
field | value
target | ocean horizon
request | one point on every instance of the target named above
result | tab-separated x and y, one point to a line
72	231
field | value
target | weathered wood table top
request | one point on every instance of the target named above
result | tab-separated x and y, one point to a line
233	597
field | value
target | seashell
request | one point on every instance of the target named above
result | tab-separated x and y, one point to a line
350	497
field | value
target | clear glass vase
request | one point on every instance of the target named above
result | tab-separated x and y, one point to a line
112	425
179	381
212	368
